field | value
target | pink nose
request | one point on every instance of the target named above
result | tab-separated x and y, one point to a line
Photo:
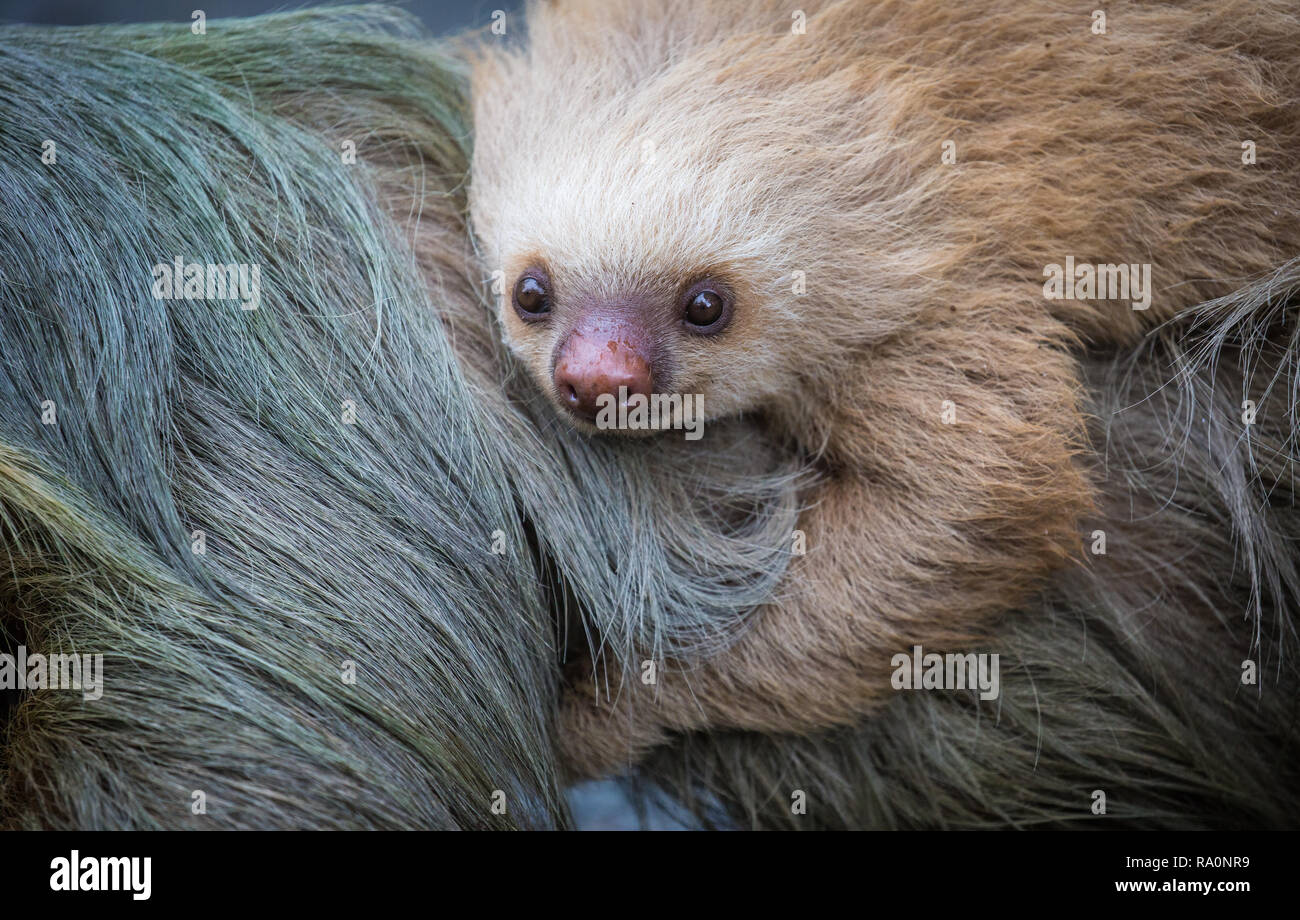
591	365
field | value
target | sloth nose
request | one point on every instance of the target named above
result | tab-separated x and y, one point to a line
592	365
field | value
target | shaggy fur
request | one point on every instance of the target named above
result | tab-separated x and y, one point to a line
635	146
1125	674
372	542
326	542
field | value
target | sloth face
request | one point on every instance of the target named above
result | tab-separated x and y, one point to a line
587	347
733	218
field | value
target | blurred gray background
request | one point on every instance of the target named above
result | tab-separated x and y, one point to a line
439	15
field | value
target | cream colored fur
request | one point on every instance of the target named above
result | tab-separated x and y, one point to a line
638	144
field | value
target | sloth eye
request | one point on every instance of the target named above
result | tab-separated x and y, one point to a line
706	310
532	301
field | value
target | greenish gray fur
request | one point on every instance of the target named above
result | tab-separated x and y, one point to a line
325	543
371	542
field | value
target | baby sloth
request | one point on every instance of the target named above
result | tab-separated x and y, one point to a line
840	222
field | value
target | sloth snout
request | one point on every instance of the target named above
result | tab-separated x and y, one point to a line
591	366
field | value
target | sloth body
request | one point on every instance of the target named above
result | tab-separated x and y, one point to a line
843	230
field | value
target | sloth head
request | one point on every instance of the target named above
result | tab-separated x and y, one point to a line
723	216
645	283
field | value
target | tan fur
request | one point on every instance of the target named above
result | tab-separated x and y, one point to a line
633	143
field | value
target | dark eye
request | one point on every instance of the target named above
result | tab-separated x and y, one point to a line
532	300
706	310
